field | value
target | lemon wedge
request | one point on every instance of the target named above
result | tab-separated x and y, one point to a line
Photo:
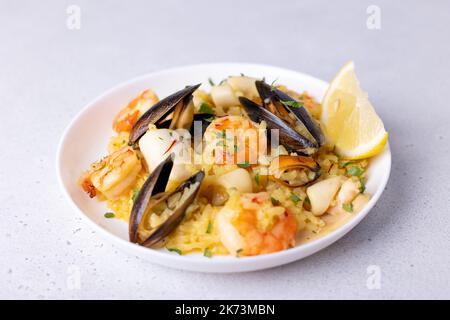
349	119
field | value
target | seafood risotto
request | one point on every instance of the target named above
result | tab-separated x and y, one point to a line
242	170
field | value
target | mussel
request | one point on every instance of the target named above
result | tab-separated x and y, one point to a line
294	171
291	139
174	112
156	213
204	119
290	110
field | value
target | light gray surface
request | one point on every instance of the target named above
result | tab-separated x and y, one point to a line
48	73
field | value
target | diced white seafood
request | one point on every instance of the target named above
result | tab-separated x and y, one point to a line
347	193
359	202
243	86
157	144
322	193
349	190
229	235
223	96
239	179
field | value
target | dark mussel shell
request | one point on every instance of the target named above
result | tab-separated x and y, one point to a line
205	119
270	94
155	187
159	112
155	183
177	216
289	138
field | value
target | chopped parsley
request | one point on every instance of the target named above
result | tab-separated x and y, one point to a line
238	252
221	134
109	215
207	253
272	85
295	198
135	146
209	228
175	250
362	181
206	108
211	82
257	178
347	163
347	207
244	164
135	194
355	171
275	202
292	104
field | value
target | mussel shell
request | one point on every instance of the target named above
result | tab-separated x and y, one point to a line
269	93
155	183
154	186
177	216
284	163
289	138
158	112
205	119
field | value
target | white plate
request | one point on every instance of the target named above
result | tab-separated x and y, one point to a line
86	137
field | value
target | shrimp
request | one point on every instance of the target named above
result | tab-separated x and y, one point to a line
240	232
128	116
113	175
235	139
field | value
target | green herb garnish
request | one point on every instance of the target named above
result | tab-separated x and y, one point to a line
206	108
362	181
175	250
109	215
348	207
275	202
135	146
207	253
210	119
135	194
292	104
347	163
257	178
244	164
272	85
209	228
211	82
221	134
355	171
238	252
295	198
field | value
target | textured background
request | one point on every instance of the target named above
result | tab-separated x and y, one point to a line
48	73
